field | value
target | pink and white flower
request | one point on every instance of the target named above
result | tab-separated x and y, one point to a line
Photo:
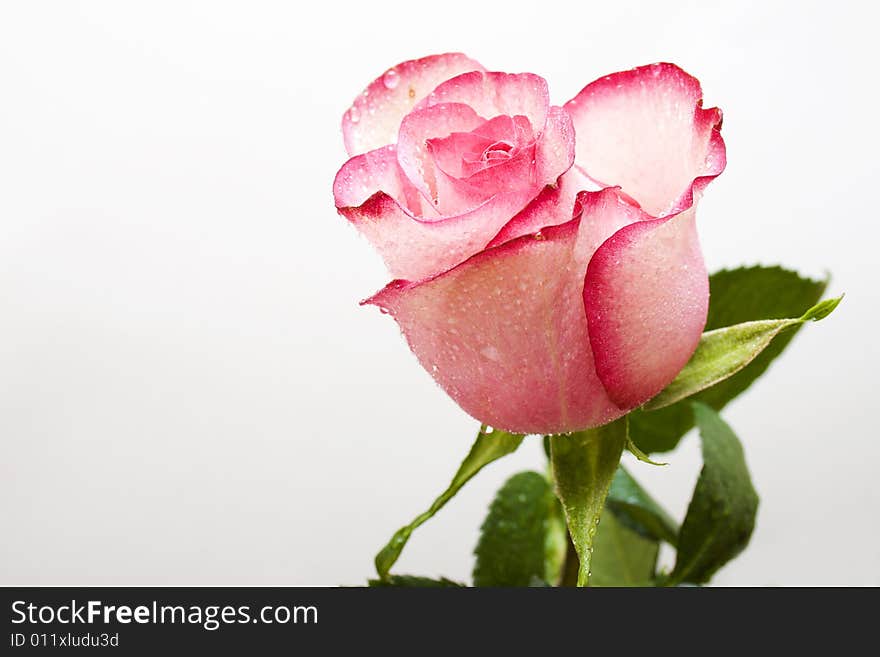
547	268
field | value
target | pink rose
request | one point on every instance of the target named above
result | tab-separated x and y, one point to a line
549	275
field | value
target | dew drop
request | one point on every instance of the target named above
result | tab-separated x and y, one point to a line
354	114
391	79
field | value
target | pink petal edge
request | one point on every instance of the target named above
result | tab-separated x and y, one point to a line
375	115
493	93
645	130
646	295
415	248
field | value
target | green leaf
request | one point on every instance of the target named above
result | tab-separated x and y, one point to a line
414	581
721	515
583	465
737	296
724	352
638	511
621	556
489	446
522	540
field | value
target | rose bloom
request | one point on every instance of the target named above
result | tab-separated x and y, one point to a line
547	269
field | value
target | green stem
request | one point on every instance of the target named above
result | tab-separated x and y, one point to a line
583	465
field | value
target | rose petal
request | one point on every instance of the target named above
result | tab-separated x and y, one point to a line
378	171
414	247
412	150
514	176
556	204
645	130
492	94
646	296
556	146
365	174
375	115
461	153
505	333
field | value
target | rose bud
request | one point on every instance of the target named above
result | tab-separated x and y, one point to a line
548	271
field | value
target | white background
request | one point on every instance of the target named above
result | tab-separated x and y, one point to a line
189	392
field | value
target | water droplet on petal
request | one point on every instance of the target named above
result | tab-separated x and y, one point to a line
354	114
391	79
